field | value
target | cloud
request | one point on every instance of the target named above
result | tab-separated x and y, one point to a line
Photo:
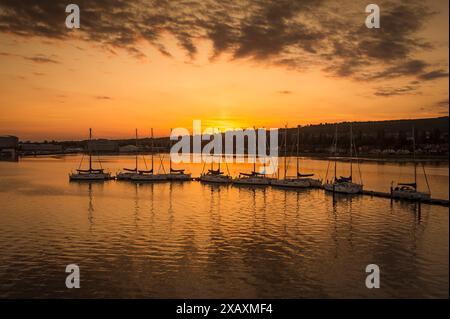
285	92
412	67
395	91
40	59
289	33
102	97
442	103
434	75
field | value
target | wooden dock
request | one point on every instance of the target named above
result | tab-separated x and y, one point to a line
431	201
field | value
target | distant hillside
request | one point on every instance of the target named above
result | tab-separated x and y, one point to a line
371	137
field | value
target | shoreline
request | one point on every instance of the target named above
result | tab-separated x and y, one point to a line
315	156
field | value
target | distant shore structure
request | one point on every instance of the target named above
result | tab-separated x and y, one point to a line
9	148
375	139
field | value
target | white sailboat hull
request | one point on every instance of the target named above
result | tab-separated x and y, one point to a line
215	179
252	181
149	178
291	182
179	177
90	177
344	188
125	176
314	183
410	194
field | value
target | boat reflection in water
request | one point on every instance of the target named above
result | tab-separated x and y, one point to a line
196	240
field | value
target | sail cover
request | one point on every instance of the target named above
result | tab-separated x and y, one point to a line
251	174
304	175
177	170
146	172
343	179
130	169
90	170
408	184
215	172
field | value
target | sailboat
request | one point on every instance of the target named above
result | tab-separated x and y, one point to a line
343	184
129	172
177	174
300	180
215	176
409	190
149	175
90	174
252	178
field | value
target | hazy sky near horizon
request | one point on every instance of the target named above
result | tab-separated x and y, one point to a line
162	64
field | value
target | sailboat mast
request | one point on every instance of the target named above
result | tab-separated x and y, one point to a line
152	149
90	149
298	146
254	159
285	151
136	157
170	156
351	150
335	151
414	158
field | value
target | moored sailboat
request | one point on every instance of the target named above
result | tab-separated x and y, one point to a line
409	190
215	176
342	184
127	173
90	174
252	178
177	174
299	180
149	175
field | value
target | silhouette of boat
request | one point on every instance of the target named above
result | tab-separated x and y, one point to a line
90	174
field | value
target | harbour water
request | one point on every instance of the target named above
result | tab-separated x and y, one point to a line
189	240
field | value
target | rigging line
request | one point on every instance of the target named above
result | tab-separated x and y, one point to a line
226	165
161	164
357	163
426	178
145	162
204	164
329	160
99	161
274	167
81	162
328	168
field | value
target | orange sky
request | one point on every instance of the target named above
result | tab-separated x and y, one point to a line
80	84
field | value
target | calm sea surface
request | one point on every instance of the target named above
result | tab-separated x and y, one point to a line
190	240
